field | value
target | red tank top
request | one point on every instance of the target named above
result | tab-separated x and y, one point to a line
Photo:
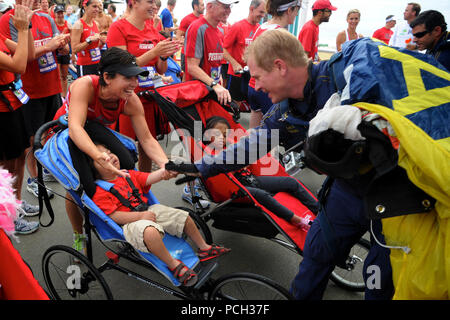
90	55
96	111
7	77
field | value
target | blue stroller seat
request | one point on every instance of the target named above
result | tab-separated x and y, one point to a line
55	157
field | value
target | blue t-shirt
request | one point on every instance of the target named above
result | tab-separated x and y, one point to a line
166	19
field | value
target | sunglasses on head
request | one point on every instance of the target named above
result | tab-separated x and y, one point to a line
419	35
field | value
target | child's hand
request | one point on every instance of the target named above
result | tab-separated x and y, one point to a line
148	215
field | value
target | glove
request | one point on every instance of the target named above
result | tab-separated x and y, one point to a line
186	168
343	119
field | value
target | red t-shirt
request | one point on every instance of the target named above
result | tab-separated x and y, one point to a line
96	111
237	39
309	38
137	42
204	42
259	31
7	77
186	22
383	34
108	203
90	55
64	29
41	78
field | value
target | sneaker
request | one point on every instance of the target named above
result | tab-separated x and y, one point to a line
79	243
23	226
47	176
32	187
186	196
29	210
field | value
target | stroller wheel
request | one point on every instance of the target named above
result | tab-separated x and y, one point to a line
248	286
70	275
349	275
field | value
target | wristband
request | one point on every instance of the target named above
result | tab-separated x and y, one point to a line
164	59
88	40
30	25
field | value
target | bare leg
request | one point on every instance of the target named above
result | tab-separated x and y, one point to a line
75	217
192	232
154	243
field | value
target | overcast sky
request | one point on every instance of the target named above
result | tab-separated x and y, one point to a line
373	14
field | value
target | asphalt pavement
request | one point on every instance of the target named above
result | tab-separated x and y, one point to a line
249	254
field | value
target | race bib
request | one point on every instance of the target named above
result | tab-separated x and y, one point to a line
215	73
145	82
47	62
95	54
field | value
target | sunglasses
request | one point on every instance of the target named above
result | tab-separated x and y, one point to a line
419	35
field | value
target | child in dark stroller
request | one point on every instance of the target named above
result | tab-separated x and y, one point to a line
144	226
262	187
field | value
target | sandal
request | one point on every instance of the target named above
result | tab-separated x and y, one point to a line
213	252
188	278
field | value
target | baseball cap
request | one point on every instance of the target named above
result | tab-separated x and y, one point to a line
4	5
59	8
127	70
323	4
223	1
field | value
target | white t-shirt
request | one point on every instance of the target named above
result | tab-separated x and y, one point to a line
402	35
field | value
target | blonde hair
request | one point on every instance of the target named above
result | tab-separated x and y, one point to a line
354	11
276	44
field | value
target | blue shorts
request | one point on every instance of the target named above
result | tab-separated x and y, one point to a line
259	100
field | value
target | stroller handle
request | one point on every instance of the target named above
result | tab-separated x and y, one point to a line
185	179
61	122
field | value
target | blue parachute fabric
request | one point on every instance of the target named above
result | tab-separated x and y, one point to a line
374	79
55	157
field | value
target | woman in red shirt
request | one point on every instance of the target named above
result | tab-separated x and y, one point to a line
13	136
85	38
101	99
63	60
137	35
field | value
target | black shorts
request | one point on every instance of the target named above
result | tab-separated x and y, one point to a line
39	111
238	87
88	69
13	136
63	59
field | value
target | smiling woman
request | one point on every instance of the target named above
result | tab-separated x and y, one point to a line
99	100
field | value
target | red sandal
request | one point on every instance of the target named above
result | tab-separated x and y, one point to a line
188	278
213	252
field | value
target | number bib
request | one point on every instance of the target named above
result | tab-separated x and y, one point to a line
145	82
95	54
47	62
215	73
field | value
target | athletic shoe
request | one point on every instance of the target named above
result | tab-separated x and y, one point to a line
47	176
32	187
79	243
29	210
23	226
186	196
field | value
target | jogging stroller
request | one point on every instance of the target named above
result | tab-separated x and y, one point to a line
71	275
237	210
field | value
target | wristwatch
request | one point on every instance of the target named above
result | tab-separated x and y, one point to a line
88	40
213	84
164	59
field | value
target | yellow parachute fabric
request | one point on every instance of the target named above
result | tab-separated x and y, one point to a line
424	272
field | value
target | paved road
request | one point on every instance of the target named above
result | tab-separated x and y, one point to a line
249	254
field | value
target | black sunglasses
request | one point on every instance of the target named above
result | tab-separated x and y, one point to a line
419	35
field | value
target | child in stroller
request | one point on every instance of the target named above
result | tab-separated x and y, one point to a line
144	226
262	187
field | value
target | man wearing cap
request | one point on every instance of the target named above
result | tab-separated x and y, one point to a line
309	35
402	36
385	33
204	47
430	33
